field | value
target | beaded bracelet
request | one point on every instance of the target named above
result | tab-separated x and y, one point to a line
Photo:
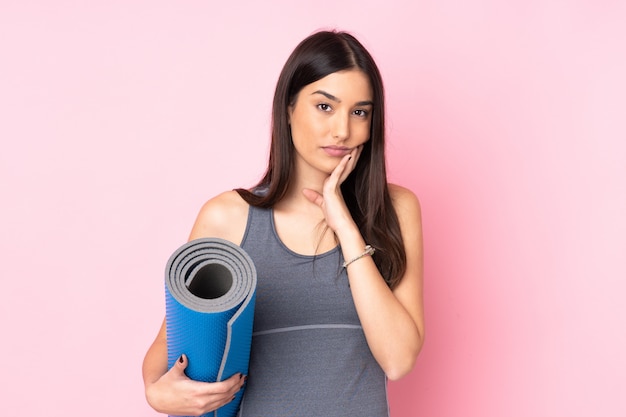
369	251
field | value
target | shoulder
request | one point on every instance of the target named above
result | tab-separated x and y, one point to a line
408	210
404	200
224	216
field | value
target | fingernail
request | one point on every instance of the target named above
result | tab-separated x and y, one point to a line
240	375
180	359
350	157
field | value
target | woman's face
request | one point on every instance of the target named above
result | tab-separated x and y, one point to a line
330	118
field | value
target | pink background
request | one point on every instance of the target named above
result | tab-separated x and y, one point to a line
118	119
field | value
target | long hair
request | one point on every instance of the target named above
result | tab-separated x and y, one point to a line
365	190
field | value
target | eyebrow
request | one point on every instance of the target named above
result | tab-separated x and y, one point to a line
336	99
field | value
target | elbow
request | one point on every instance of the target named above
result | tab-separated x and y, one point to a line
399	370
404	364
397	375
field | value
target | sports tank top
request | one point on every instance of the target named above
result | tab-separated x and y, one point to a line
309	355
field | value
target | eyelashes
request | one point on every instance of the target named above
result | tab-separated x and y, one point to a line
327	108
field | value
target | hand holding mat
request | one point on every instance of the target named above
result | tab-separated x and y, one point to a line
210	288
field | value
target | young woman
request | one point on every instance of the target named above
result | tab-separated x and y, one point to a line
338	253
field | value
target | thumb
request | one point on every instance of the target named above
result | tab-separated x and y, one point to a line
313	196
180	365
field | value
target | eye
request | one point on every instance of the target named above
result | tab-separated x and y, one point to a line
324	107
361	113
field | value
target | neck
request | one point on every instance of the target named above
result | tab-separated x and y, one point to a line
294	198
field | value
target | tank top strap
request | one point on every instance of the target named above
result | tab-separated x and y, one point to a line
259	229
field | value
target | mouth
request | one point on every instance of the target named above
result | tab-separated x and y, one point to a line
337	151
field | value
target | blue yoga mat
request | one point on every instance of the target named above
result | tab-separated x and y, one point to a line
209	293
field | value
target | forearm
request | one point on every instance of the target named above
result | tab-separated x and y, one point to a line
155	361
391	332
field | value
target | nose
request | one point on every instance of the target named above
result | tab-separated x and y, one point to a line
340	126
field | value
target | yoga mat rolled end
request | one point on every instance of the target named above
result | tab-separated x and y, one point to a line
210	288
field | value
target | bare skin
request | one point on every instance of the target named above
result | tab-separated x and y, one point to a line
330	122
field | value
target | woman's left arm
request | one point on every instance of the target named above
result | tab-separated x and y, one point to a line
393	320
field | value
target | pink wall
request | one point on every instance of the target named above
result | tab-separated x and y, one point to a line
119	118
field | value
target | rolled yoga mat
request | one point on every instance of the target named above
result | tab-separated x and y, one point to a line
210	289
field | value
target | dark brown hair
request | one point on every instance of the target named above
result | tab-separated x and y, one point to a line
365	190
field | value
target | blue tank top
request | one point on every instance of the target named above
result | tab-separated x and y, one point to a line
309	354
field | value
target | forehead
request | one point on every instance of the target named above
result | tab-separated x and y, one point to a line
349	85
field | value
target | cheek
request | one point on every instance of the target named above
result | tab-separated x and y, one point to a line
307	126
301	136
298	133
362	131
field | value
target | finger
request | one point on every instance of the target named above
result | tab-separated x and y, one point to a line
228	399
356	155
336	175
313	196
351	163
237	381
216	395
225	388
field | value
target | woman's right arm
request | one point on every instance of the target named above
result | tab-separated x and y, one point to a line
172	392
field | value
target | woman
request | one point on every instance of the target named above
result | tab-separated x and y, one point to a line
338	253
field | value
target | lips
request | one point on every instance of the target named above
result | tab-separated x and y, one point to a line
337	151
